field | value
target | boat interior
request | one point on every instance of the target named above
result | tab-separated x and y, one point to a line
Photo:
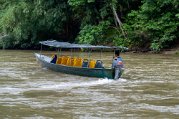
76	61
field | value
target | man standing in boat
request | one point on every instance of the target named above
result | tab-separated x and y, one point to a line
117	65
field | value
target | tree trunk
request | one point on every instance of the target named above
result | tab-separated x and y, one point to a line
116	18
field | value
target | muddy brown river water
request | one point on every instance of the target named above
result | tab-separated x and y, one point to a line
149	88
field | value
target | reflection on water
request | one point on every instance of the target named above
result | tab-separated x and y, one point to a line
148	88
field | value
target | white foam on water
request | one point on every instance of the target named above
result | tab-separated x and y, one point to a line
73	84
171	109
10	90
77	84
50	85
44	68
122	80
36	117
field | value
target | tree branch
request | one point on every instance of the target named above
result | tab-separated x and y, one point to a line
116	18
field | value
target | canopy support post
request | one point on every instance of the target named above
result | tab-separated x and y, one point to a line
89	54
40	50
81	53
101	54
57	52
113	54
71	52
60	52
71	56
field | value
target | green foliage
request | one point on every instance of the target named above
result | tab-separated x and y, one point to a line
148	24
28	22
177	15
7	42
93	34
155	25
79	2
76	2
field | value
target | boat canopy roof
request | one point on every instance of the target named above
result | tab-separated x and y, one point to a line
57	44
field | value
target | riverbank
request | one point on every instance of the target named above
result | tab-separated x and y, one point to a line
174	50
169	51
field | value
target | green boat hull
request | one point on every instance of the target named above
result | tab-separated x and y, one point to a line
89	72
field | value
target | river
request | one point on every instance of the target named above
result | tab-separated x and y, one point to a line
149	87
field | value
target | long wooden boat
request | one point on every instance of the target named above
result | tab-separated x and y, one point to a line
81	71
45	61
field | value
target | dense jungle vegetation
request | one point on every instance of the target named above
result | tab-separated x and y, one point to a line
137	24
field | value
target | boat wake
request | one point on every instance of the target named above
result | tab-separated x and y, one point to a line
65	85
122	80
59	85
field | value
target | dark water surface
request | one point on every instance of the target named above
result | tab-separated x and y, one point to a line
148	88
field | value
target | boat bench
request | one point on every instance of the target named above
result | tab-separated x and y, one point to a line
79	62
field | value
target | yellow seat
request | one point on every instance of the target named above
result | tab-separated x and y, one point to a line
74	61
78	62
64	60
59	60
92	64
70	61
